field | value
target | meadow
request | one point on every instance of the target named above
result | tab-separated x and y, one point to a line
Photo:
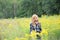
19	28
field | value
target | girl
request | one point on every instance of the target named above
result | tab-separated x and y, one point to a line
35	25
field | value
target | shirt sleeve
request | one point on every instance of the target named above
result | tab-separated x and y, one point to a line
39	25
31	28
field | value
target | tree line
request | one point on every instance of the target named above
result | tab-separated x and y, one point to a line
26	8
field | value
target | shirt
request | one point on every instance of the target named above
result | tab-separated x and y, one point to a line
36	28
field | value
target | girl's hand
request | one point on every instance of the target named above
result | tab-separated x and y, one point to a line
36	22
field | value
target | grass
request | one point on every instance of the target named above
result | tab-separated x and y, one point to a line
18	28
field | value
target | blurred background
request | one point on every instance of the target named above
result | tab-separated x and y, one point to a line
25	8
15	18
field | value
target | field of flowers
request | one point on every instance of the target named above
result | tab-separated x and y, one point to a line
18	28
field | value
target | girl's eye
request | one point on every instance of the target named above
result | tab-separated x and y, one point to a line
33	18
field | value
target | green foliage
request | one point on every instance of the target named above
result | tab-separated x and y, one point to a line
26	8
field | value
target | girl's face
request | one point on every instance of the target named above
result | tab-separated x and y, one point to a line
35	19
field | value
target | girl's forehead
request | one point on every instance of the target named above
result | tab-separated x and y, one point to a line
35	16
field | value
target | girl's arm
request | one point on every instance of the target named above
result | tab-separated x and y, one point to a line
31	28
39	29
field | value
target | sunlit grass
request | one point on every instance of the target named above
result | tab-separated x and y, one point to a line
19	29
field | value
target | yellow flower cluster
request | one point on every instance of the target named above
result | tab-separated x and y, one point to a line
44	31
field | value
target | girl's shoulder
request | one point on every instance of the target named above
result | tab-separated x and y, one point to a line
30	23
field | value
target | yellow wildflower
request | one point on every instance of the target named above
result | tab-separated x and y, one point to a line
33	34
44	31
16	38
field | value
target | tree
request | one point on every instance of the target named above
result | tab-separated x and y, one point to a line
26	8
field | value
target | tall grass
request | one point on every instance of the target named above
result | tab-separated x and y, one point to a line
19	29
